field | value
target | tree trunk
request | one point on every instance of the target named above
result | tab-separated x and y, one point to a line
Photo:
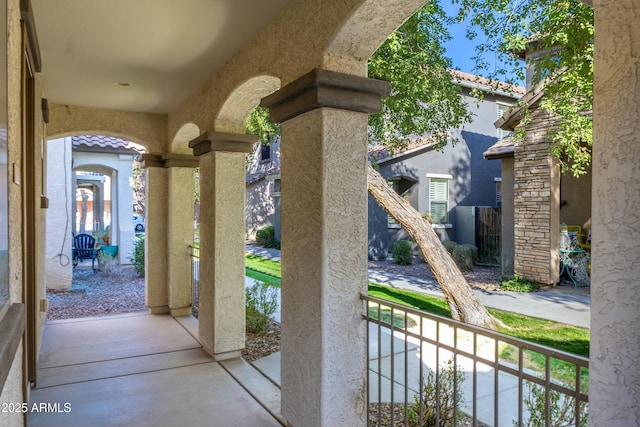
463	303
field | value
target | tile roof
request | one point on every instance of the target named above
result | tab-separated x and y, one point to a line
379	153
486	83
500	150
98	141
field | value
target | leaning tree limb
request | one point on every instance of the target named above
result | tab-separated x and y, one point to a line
463	303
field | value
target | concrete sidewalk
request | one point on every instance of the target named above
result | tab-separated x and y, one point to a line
563	303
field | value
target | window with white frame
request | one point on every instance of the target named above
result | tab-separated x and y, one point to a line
439	198
503	108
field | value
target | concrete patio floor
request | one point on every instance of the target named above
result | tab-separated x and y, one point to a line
143	370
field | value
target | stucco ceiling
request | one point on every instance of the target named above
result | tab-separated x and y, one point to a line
164	49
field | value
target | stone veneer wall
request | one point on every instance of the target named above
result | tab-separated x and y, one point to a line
536	204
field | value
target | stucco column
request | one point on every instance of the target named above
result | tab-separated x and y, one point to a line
98	206
324	245
122	208
156	242
615	249
180	198
221	312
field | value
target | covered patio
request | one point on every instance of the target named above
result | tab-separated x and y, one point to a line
180	78
144	370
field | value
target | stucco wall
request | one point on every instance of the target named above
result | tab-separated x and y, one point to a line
614	376
260	206
59	218
12	389
575	197
149	130
12	393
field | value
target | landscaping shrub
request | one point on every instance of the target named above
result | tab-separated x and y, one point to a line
519	284
449	245
266	237
107	264
442	396
138	256
465	256
402	252
260	304
562	408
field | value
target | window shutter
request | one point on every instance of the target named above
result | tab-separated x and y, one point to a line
438	189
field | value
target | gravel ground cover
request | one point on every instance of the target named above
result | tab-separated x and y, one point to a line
98	294
482	277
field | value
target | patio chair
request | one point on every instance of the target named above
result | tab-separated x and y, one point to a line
84	248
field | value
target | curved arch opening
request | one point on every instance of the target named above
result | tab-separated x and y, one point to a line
180	142
92	185
242	100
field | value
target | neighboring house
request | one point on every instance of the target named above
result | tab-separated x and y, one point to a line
263	188
446	184
537	197
100	197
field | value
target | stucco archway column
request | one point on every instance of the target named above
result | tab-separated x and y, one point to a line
614	380
169	212
122	208
324	245
156	237
180	198
221	312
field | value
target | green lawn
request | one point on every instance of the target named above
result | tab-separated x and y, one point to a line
262	269
541	331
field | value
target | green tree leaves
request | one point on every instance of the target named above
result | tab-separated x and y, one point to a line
560	34
424	98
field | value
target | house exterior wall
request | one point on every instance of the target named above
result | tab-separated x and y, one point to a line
575	200
260	206
12	365
59	220
260	201
472	183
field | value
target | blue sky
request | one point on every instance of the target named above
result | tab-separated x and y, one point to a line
460	49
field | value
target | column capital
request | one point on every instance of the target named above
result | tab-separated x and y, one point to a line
222	141
169	160
151	161
324	88
172	160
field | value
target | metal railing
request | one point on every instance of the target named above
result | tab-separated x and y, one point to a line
428	370
195	278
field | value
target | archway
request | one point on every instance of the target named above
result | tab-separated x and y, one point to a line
91	177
